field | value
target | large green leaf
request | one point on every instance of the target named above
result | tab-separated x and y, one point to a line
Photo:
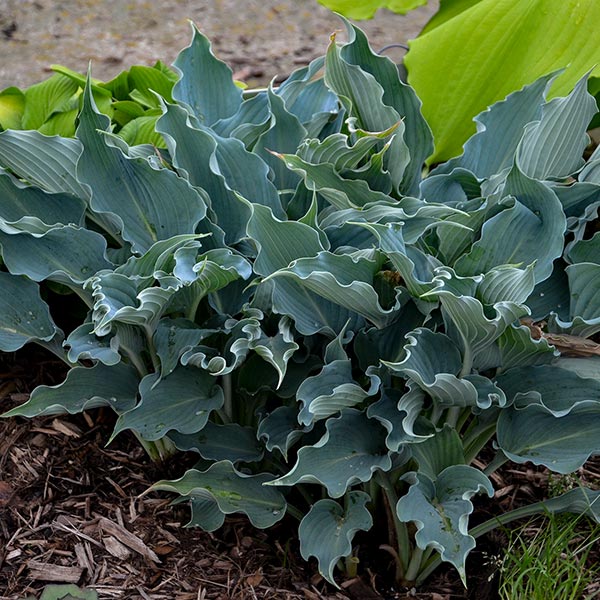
24	316
43	99
366	10
327	530
440	509
351	450
481	49
233	491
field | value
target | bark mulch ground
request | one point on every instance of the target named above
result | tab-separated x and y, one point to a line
75	511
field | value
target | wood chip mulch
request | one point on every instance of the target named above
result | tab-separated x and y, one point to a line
75	511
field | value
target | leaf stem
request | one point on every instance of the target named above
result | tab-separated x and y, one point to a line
496	463
228	395
402	539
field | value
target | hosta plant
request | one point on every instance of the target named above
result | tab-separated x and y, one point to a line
286	293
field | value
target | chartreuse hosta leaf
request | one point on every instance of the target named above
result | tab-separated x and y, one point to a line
366	10
233	492
327	530
24	316
351	450
552	34
440	508
150	204
193	394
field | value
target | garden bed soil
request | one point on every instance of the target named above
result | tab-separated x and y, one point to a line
75	511
259	39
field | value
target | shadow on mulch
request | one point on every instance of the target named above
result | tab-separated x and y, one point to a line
73	511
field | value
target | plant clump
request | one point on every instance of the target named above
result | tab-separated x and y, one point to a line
284	291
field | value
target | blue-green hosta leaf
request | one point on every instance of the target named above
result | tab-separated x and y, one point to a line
150	204
63	254
433	362
280	429
172	338
330	391
584	367
584	250
339	192
182	401
221	442
251	119
401	97
584	309
350	451
438	452
581	500
457	186
363	97
206	83
118	298
28	208
468	323
193	151
24	316
557	390
499	131
284	135
553	146
551	295
440	509
210	271
327	530
416	268
341	279
278	349
233	491
519	349
532	433
83	389
83	344
240	337
531	231
307	97
206	513
48	162
280	242
506	284
158	258
399	414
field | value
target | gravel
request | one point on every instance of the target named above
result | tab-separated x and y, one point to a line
259	39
